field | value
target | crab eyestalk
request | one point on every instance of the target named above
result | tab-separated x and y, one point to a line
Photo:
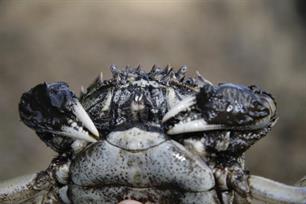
56	115
225	107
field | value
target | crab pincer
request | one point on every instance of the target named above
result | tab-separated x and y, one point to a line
225	107
57	116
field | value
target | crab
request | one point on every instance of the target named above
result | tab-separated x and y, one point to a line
148	137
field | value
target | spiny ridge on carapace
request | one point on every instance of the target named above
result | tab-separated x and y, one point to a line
167	75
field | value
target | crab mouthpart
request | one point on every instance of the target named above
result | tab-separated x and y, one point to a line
82	129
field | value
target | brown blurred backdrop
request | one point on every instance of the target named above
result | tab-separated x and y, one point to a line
240	41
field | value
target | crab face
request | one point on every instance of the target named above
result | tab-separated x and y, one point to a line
56	115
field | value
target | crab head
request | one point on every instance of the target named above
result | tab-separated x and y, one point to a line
56	115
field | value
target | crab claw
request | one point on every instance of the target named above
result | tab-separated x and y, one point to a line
224	107
52	110
76	131
180	107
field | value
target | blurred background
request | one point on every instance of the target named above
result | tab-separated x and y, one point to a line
248	42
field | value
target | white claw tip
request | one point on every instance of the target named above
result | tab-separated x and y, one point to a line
193	126
82	116
75	133
181	106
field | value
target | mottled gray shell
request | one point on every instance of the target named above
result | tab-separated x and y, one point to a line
136	159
